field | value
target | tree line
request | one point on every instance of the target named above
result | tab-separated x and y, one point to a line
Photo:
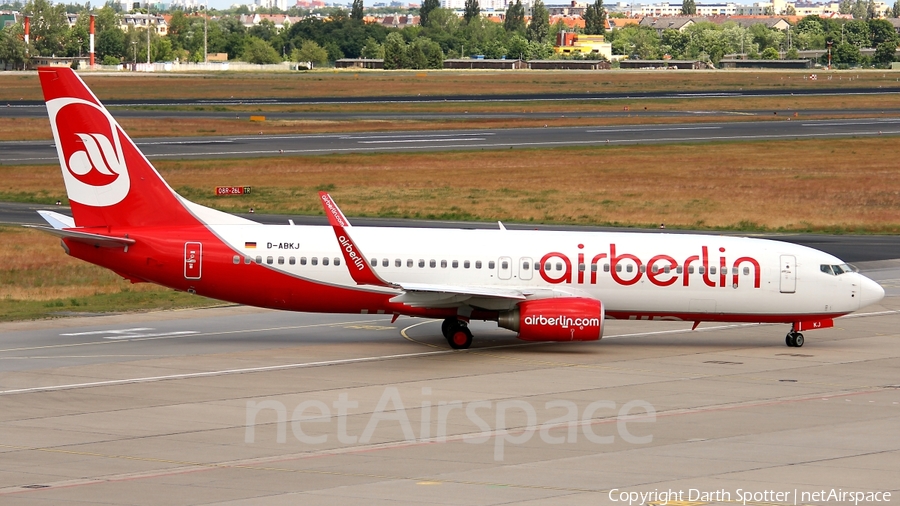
441	34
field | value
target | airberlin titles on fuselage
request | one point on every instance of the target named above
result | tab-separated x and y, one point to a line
661	270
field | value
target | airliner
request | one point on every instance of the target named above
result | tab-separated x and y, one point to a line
543	285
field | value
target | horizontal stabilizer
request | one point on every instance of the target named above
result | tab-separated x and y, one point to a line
96	240
57	220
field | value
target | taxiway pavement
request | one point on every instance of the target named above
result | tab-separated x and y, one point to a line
252	146
242	406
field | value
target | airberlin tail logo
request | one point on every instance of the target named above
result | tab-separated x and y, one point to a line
90	152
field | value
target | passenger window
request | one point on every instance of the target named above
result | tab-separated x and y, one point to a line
385	262
667	269
525	265
559	266
605	267
491	265
537	266
618	267
337	261
409	262
324	260
712	270
398	263
629	268
455	264
679	270
270	260
374	262
642	268
259	259
443	264
734	270
593	267
292	260
548	266
581	267
504	265
247	260
280	260
302	260
478	264
701	270
691	269
236	259
432	264
314	261
421	263
466	264
746	271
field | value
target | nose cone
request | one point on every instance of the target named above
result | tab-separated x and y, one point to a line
870	292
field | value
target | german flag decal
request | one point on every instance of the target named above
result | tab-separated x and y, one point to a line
250	245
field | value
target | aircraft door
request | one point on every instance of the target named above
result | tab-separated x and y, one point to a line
504	268
193	254
788	274
525	265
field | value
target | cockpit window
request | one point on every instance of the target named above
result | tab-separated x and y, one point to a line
836	270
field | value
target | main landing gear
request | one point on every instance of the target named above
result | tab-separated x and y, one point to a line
794	339
457	332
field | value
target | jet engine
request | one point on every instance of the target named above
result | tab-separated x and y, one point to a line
559	319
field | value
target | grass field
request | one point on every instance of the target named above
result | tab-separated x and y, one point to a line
19	86
813	185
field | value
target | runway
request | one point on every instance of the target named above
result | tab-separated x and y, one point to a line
183	408
43	152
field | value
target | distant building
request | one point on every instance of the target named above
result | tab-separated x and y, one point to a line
571	43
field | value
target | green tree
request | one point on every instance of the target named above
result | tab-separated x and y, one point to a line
845	6
394	51
372	49
595	18
434	56
846	55
770	53
688	7
310	51
792	54
356	12
13	51
880	31
539	26
49	27
259	51
517	46
515	17
428	6
856	32
884	54
895	10
472	10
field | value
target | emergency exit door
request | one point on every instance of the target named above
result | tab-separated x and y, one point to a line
788	274
193	255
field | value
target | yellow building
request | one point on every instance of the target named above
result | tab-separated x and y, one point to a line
570	43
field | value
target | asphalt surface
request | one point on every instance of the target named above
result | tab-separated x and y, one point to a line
239	406
44	152
506	97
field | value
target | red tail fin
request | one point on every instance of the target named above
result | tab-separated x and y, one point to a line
108	179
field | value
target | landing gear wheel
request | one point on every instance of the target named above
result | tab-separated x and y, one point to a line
448	326
794	340
461	338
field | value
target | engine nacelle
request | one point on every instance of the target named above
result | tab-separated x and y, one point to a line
560	319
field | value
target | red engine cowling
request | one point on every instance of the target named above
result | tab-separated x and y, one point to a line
560	319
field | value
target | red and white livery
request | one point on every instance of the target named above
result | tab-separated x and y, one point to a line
546	286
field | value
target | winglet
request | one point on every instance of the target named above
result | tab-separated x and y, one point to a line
357	263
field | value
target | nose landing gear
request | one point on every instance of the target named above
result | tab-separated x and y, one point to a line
457	332
794	339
